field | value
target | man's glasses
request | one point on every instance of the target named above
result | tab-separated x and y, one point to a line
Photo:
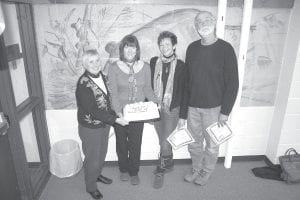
206	21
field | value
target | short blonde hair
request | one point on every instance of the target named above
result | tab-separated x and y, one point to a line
89	53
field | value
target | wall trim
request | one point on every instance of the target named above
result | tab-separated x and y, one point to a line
188	161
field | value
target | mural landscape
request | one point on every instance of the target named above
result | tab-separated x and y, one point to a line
63	32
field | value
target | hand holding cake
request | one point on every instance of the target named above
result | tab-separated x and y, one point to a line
141	111
122	121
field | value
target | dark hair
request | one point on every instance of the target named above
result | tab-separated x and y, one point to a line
167	34
131	41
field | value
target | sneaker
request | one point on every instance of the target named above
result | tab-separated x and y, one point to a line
96	194
104	180
124	176
159	169
135	180
191	176
158	180
169	168
203	177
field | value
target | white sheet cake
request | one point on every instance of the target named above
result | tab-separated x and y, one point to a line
140	111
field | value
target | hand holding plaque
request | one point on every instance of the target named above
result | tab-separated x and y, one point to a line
180	137
219	134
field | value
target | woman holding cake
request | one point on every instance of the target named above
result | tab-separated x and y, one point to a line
94	118
168	80
129	82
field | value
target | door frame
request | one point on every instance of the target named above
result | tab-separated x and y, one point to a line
32	177
8	183
14	136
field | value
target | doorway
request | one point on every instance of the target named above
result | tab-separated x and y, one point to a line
8	182
21	100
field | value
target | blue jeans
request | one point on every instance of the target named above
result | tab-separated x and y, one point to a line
203	157
164	127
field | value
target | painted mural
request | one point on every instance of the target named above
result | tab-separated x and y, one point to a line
264	57
64	31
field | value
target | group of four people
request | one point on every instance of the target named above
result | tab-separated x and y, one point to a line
201	90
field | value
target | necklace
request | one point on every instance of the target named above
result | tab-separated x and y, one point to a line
131	83
93	75
131	72
165	59
130	66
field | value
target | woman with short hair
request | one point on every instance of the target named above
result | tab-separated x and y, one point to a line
95	117
168	82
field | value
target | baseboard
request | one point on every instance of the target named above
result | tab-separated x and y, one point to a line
244	158
188	161
268	161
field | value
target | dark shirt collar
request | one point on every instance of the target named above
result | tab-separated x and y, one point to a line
93	75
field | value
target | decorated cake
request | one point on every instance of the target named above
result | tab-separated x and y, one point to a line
140	111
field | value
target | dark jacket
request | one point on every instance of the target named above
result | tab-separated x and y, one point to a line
94	108
178	83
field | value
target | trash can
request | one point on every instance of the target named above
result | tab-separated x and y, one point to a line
65	158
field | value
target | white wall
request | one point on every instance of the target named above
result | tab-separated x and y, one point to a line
251	136
285	129
290	133
62	124
257	132
251	133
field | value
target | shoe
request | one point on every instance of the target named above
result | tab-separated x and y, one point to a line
203	177
96	194
191	176
124	176
166	164
169	163
159	169
135	180
104	180
158	180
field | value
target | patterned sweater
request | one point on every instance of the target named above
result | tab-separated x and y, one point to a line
118	84
94	109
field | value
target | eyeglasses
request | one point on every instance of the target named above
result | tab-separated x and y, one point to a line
205	21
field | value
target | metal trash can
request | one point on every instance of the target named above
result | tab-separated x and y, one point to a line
65	158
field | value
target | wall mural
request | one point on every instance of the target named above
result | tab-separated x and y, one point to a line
64	31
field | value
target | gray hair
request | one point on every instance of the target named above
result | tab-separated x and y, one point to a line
196	20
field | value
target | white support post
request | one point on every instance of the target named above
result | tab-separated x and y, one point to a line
241	66
2	22
222	7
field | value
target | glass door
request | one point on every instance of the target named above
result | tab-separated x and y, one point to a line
23	99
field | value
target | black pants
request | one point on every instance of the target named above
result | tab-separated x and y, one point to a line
94	146
128	146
